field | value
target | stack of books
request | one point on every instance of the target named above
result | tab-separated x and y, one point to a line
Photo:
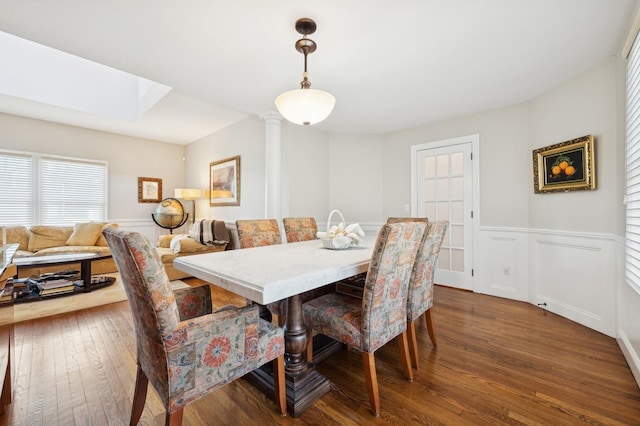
6	295
51	287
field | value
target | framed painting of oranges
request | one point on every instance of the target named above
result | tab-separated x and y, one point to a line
565	166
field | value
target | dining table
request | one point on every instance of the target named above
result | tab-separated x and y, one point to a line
283	271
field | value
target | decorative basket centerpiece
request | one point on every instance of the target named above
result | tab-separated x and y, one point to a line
340	237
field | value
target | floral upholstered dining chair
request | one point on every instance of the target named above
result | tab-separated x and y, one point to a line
184	349
258	232
300	229
381	315
420	296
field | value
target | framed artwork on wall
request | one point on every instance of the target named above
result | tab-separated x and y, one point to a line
565	166
224	182
149	190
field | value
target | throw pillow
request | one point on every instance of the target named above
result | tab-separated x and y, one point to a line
85	234
17	235
102	242
41	237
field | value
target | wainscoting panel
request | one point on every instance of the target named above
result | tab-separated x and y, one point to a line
503	263
146	227
574	275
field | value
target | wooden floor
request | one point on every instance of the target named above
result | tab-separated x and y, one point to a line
497	362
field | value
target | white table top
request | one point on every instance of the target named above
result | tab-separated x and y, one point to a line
271	273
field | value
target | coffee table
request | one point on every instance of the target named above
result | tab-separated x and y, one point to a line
84	259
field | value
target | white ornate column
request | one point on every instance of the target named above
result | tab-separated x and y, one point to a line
273	165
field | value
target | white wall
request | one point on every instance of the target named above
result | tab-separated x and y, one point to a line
128	157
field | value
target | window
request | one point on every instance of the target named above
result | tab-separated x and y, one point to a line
46	190
633	168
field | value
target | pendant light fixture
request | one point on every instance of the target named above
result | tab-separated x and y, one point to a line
305	106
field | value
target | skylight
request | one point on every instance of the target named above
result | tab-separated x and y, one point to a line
42	74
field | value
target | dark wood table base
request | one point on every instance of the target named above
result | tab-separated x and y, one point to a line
304	384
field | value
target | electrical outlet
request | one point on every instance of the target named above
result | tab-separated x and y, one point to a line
506	270
407	208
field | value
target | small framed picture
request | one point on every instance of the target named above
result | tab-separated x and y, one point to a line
565	166
224	182
149	190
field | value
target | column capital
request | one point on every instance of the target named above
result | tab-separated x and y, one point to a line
271	116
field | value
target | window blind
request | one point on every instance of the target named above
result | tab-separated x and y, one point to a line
46	190
632	155
71	191
16	183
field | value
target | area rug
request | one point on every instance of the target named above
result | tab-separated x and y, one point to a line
60	305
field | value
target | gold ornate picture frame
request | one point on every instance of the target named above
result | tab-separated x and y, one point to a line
149	190
565	166
224	182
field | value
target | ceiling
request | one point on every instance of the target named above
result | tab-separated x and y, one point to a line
390	65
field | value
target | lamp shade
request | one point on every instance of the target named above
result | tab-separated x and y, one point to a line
305	106
188	193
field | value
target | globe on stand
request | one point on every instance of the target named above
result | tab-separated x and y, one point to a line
170	214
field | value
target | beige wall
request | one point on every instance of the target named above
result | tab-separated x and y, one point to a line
246	139
128	157
505	163
356	171
584	105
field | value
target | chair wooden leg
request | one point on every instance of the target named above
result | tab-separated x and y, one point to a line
404	355
371	378
282	319
139	396
430	328
175	418
413	343
280	385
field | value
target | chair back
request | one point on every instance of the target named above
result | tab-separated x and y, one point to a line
300	229
420	296
258	232
384	300
151	300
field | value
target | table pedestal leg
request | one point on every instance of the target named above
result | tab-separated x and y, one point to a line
85	274
304	384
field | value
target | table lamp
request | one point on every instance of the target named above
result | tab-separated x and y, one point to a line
189	194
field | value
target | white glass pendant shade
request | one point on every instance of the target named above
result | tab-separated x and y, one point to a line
305	106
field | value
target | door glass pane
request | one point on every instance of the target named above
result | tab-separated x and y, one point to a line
429	167
443	258
457	211
430	210
443	165
457	260
457	188
443	211
457	236
457	164
443	189
430	189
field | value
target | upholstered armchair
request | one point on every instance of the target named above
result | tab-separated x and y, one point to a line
381	315
184	349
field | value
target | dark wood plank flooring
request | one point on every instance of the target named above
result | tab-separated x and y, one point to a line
497	362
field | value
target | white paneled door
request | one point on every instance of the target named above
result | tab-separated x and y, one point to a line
442	186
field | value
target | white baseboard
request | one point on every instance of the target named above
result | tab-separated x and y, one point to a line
630	355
